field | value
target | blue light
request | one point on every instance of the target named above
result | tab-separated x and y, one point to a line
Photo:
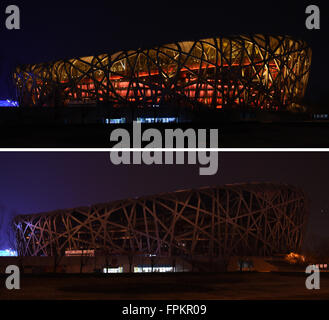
8	253
8	103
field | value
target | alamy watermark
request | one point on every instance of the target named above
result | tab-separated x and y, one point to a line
313	280
13	18
175	147
313	19
13	280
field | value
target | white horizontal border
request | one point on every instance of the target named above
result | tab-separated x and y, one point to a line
85	150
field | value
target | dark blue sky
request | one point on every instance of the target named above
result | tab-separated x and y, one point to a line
57	29
40	182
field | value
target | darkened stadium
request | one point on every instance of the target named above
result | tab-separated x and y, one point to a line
258	219
257	72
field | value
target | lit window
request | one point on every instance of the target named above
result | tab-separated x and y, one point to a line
157	120
115	121
147	269
113	270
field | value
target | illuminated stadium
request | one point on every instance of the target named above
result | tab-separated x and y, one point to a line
256	219
258	72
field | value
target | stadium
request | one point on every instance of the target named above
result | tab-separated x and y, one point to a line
256	72
206	225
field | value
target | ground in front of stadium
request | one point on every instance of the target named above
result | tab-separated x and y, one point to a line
170	286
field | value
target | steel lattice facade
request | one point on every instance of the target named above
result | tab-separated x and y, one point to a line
261	72
258	219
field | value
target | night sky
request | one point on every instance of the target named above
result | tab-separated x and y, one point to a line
40	182
62	29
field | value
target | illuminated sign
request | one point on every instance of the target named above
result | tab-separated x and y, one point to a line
8	253
8	103
79	253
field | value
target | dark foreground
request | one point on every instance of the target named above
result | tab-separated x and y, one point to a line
221	286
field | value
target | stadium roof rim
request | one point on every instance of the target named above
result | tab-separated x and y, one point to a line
149	47
249	187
